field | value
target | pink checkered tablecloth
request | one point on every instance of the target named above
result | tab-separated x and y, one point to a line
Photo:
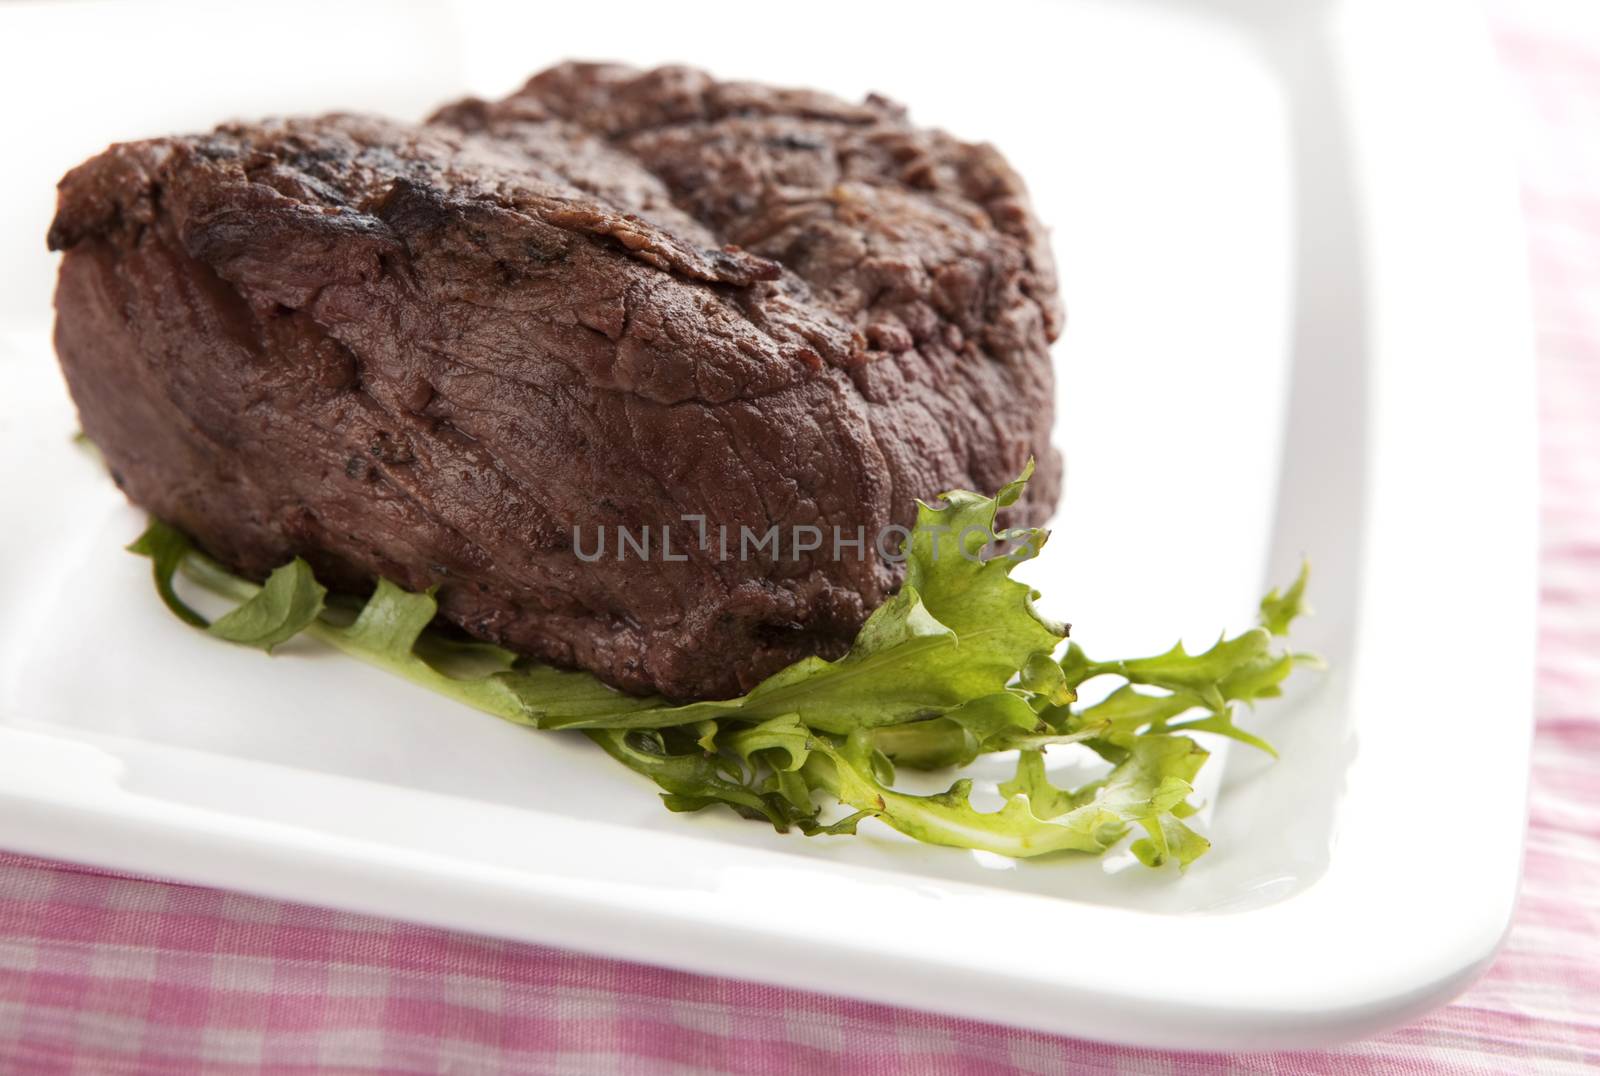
108	974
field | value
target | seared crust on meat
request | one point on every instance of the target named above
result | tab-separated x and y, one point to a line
613	299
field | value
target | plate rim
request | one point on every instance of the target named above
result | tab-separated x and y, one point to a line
60	798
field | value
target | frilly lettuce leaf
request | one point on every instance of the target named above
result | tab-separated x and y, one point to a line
167	547
288	603
1242	669
1148	789
966	585
1279	610
692	779
846	771
957	664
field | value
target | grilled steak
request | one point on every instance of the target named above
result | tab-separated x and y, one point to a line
462	353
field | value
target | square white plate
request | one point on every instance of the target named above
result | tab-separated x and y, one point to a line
1290	247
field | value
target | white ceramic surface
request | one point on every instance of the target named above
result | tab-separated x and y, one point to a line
1289	241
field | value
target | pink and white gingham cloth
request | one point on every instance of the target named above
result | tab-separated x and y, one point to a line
108	974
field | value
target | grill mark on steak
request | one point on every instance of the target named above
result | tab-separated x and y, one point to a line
614	298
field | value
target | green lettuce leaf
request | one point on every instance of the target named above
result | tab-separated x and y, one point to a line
288	603
990	614
956	665
692	779
1279	610
1242	669
1148	789
167	547
948	818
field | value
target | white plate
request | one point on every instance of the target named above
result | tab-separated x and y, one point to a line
1290	246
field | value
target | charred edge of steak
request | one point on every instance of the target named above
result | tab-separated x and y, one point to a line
612	300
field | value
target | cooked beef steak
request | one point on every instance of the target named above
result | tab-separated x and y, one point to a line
613	299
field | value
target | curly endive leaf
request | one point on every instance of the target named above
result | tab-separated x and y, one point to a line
783	737
1149	789
1002	721
167	547
1128	711
1242	669
955	665
288	603
1200	675
692	779
967	586
1278	611
1047	800
948	818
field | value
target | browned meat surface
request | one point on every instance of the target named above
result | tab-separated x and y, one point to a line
615	298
